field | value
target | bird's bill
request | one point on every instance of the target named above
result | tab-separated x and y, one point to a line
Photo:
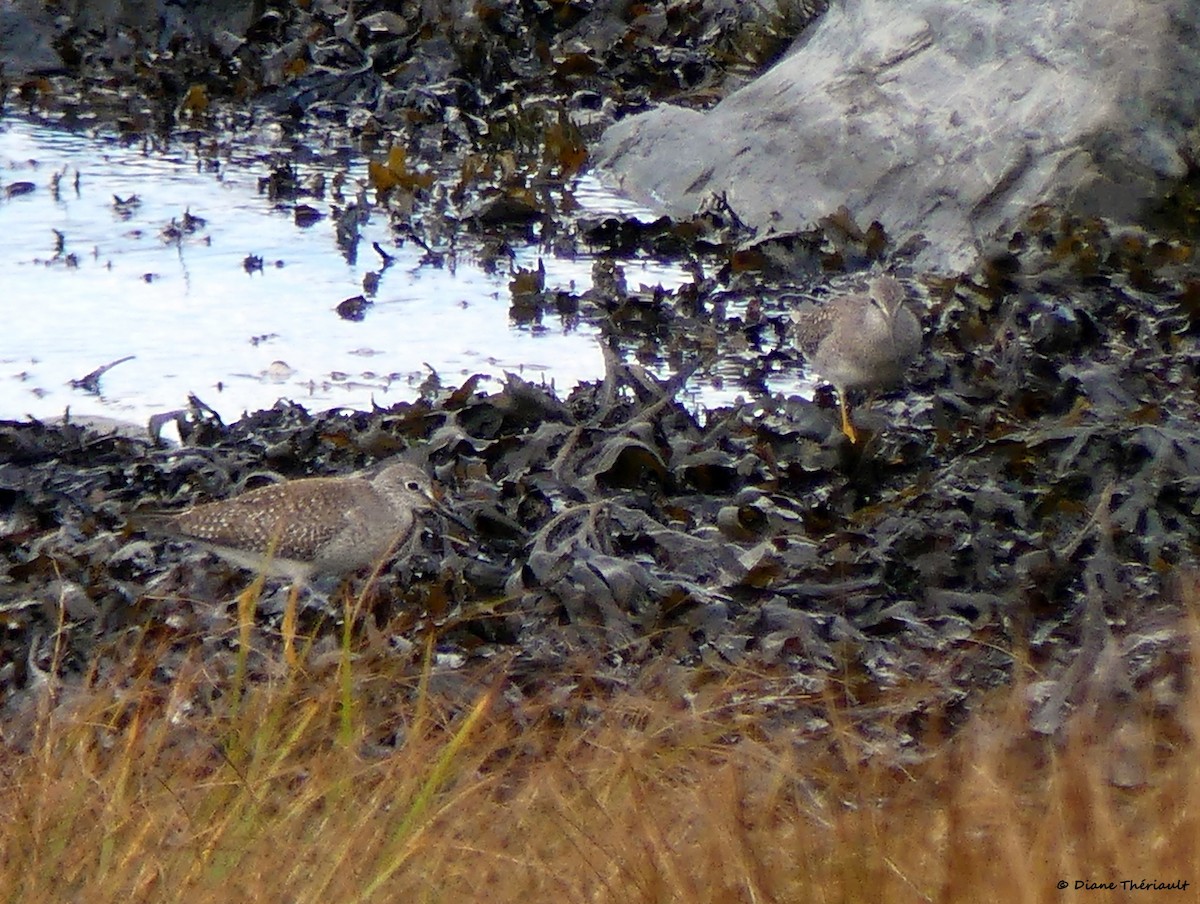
445	511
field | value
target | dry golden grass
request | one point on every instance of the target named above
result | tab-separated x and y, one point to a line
276	794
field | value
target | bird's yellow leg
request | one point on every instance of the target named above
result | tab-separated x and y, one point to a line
247	602
847	424
289	625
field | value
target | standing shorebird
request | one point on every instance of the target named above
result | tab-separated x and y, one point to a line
305	528
308	527
859	341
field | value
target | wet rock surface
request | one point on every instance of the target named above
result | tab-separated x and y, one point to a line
1025	507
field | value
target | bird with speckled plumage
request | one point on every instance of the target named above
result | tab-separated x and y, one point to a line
313	526
304	528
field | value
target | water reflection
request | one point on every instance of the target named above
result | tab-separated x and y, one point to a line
94	271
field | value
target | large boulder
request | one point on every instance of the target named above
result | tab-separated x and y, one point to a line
937	117
27	36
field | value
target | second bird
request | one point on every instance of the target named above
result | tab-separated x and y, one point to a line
859	341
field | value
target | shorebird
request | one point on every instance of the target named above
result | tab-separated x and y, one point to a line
305	528
859	341
313	526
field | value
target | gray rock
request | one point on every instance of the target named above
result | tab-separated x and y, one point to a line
26	39
938	117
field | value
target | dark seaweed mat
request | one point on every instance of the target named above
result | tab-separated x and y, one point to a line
439	78
1033	498
1034	495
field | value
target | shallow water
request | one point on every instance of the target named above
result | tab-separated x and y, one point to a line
84	283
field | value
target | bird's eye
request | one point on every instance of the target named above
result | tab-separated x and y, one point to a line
414	485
